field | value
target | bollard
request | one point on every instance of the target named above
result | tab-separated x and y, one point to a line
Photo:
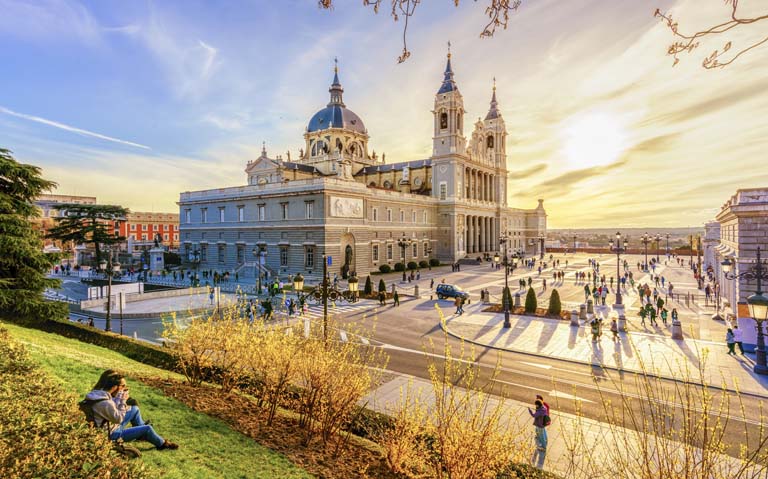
134	335
677	330
393	288
583	311
590	307
416	291
574	318
517	300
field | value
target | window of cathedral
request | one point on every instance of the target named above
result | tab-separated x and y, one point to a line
387	184
222	253
372	183
402	216
489	141
309	257
389	215
443	190
459	121
443	121
375	253
389	252
283	256
375	214
415	250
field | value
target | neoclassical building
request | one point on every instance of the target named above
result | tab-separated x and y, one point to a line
338	198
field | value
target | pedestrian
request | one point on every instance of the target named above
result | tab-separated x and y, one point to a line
586	292
674	315
457	303
738	338
211	296
664	316
595	327
543	402
432	283
615	330
731	340
544	282
90	322
382	298
396	299
652	314
603	295
539	423
643	313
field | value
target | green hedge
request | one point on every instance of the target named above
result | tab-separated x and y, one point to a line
531	303
423	264
136	350
42	432
412	265
554	303
434	262
385	268
399	267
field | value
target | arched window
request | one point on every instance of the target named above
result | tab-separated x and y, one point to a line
489	141
339	146
443	120
459	121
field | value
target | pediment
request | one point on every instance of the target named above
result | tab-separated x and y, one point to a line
261	164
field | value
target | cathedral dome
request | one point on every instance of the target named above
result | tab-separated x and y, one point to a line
336	114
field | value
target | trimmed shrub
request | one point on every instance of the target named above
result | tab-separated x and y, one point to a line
368	286
434	262
423	264
382	286
412	265
48	437
399	267
385	268
506	299
531	303
554	303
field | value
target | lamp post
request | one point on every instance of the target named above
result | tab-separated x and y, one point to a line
324	292
505	295
259	253
690	251
574	243
195	259
541	240
667	245
109	268
646	240
619	246
658	243
758	305
403	243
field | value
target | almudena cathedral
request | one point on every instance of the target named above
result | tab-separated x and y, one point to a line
337	199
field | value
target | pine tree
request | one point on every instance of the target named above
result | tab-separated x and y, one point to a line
382	286
554	303
531	303
82	224
23	265
368	286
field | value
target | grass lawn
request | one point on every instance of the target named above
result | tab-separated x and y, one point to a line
209	448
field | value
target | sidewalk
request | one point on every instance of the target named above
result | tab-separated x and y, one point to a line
657	353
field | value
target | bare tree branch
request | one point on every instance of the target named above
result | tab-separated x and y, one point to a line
497	11
689	42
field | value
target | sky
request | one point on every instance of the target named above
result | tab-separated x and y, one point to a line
134	102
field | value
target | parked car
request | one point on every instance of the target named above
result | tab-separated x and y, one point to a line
450	291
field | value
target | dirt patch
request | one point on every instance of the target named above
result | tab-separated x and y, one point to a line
284	435
540	312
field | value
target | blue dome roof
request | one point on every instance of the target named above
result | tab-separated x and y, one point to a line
336	116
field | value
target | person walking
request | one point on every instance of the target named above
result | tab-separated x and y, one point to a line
396	299
615	330
730	339
432	283
382	298
539	423
674	315
604	295
457	303
738	338
664	315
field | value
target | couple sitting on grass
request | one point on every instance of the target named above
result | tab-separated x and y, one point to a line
113	409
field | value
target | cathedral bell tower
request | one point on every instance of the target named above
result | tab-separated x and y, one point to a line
449	117
495	135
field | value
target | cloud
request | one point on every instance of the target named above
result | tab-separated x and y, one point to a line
72	129
519	175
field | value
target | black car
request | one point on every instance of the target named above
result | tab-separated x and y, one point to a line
450	291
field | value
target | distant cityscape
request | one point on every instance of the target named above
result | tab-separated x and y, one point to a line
600	237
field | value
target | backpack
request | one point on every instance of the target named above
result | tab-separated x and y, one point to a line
547	420
86	406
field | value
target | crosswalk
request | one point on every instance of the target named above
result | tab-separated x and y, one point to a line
314	314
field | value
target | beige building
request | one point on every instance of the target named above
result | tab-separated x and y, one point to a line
339	199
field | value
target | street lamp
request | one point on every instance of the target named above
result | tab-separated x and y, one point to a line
259	253
758	305
667	245
646	240
541	239
505	295
574	243
618	246
403	243
109	268
658	242
195	260
324	292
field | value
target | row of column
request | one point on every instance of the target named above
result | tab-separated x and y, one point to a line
481	186
482	234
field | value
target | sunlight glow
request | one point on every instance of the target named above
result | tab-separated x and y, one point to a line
593	139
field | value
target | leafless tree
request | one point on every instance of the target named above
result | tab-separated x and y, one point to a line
497	12
687	42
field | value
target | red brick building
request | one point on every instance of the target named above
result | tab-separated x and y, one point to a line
140	229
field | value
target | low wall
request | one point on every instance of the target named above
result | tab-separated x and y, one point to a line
130	298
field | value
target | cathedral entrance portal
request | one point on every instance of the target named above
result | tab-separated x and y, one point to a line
348	249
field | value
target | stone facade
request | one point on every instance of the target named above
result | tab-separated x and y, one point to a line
341	200
743	222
